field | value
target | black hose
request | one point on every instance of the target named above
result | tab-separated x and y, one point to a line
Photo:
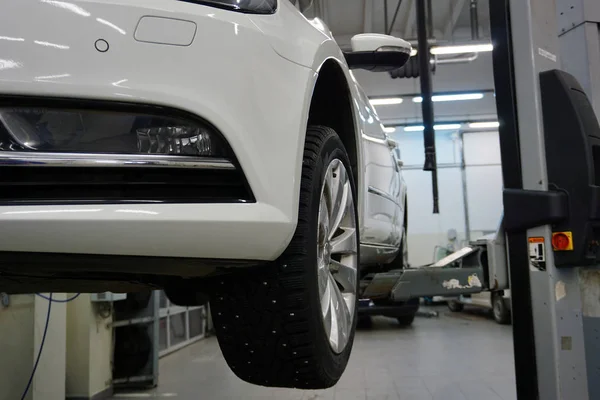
427	104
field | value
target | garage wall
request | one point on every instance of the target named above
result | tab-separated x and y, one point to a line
49	380
483	168
88	351
480	184
16	345
23	322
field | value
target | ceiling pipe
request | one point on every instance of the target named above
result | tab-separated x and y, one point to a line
474	20
427	103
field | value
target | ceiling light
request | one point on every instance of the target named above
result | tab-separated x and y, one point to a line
447	127
484	125
389	129
469	48
386	101
440	127
451	97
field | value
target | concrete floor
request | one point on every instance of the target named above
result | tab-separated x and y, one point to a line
462	356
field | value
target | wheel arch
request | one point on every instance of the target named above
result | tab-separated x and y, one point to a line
332	105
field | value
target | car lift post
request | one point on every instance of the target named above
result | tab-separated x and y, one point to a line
556	324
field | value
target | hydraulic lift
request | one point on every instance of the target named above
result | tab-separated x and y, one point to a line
550	235
480	266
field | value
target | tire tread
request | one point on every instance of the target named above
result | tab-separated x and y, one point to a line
262	319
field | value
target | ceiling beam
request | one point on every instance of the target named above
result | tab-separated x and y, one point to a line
455	10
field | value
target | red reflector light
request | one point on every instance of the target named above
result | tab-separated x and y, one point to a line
562	241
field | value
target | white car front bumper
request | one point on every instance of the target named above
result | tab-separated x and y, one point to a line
228	75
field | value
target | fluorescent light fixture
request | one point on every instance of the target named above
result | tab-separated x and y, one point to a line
469	48
441	127
389	129
447	127
386	101
451	97
484	125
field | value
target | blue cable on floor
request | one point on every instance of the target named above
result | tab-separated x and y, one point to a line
37	360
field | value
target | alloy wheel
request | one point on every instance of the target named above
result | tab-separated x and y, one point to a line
337	255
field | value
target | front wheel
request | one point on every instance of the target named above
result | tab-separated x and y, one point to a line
292	323
500	310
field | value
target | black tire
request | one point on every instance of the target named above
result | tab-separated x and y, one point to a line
406	320
185	296
500	310
268	322
455	306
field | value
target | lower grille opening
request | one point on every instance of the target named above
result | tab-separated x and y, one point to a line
48	185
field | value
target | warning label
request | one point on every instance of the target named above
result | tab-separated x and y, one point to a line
537	253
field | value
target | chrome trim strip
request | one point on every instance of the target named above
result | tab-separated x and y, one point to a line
380	193
112	160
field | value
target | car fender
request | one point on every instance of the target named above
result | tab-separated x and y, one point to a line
310	43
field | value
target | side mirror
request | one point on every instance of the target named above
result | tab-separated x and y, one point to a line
378	53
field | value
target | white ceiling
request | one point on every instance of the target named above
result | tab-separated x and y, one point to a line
451	18
451	22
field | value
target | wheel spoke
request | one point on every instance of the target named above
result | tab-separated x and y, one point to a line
344	243
339	208
323	233
345	275
342	316
325	292
330	188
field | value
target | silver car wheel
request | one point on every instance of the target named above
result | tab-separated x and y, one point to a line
337	256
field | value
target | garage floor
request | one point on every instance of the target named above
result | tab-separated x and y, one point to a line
464	356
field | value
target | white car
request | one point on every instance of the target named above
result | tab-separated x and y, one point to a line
215	148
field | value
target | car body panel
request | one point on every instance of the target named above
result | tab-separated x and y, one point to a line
254	84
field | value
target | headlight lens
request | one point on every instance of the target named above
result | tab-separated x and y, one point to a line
248	6
87	131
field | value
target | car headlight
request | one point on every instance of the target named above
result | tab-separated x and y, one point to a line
108	132
246	6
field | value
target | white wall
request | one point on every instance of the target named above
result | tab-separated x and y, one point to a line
23	323
89	350
49	380
483	178
16	346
